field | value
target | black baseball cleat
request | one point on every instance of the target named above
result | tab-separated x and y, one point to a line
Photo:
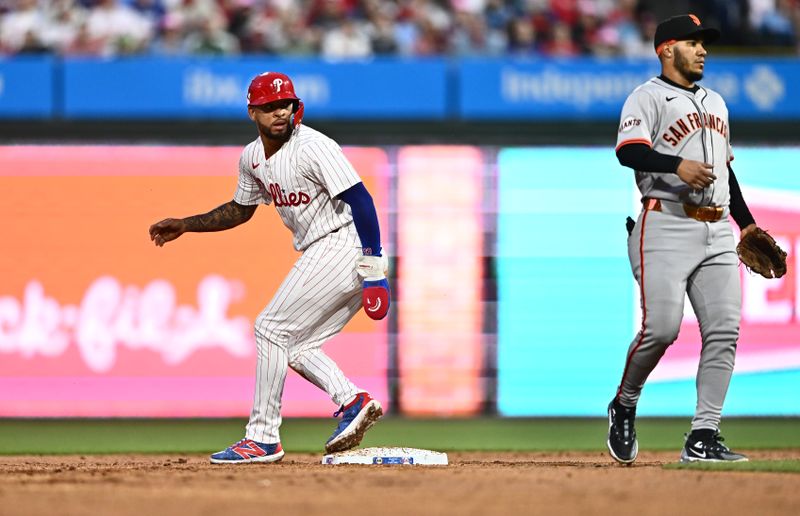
706	446
622	443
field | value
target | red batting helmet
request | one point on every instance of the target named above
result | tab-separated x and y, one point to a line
271	86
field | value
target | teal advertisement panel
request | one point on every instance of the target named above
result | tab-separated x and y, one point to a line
568	305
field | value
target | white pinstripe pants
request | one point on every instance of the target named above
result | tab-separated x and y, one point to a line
321	293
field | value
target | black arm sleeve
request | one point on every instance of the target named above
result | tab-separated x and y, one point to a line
739	210
639	156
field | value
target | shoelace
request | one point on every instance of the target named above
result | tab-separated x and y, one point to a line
715	444
341	410
712	444
343	423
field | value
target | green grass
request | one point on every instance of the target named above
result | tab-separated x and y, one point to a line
774	466
48	436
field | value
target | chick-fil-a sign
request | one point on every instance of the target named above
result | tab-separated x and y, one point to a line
112	316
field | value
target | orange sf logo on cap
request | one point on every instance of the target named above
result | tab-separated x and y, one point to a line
695	19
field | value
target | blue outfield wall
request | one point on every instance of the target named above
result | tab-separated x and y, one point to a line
596	89
28	87
422	89
216	88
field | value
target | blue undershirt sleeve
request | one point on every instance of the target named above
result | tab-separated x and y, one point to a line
365	218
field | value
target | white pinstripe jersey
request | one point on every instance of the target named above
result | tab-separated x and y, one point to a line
301	179
679	122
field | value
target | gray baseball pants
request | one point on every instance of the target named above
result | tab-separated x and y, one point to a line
672	255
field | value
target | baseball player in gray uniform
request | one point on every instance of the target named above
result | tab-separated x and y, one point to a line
321	199
675	135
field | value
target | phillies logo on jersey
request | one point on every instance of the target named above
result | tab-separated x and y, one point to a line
690	123
280	197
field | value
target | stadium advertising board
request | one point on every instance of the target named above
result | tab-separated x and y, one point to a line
596	89
568	310
216	88
420	89
97	321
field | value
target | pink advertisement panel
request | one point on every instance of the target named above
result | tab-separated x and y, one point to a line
440	246
97	321
769	328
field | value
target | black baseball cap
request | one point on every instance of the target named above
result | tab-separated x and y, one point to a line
685	26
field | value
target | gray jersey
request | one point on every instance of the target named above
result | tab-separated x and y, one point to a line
302	179
678	122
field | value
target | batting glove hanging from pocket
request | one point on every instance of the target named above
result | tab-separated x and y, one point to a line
375	297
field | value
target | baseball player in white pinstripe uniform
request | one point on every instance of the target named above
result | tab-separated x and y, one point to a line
321	199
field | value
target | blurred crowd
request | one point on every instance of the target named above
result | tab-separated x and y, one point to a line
348	29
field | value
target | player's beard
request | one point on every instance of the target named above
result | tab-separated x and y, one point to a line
283	136
682	66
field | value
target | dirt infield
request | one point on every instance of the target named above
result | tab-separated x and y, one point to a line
474	483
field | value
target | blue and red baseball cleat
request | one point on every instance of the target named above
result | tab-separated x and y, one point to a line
247	451
357	417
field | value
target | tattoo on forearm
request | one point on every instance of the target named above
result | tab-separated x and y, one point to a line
227	216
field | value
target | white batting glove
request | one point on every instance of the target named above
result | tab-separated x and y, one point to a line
372	268
375	296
